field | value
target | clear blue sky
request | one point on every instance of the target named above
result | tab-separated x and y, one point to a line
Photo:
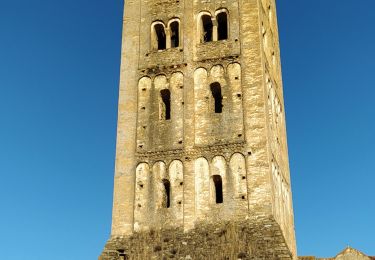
59	70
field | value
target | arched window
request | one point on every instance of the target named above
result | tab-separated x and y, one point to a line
175	34
222	25
218	182
165	104
206	28
159	36
216	94
167	194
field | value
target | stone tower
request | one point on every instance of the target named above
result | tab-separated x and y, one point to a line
202	166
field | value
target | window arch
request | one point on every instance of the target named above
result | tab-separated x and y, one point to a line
159	39
206	27
165	104
174	28
218	185
218	97
222	24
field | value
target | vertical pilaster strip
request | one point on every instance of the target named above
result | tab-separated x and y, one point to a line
189	29
258	169
123	201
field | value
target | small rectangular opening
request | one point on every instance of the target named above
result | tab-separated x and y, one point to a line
216	94
165	113
218	188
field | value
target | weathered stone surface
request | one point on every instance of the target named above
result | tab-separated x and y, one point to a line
201	137
253	239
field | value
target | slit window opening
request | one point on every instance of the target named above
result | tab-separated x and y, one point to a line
207	28
165	95
218	188
160	36
216	94
167	194
222	29
175	34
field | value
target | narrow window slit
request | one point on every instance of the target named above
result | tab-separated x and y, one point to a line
165	113
216	93
167	193
218	188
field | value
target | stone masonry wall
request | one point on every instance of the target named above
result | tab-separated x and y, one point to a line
258	239
245	145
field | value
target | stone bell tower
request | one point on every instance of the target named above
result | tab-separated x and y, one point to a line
202	167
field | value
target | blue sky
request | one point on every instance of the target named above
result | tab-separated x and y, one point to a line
59	70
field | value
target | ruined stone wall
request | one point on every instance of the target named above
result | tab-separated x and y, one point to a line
252	239
167	167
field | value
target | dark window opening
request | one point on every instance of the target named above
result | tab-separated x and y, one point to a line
122	255
166	99
222	26
160	36
207	27
216	93
167	194
218	188
175	34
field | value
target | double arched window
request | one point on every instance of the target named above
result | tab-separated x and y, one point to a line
213	28
163	37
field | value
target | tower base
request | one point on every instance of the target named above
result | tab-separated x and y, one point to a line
260	238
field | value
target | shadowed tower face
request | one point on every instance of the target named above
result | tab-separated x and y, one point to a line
201	139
